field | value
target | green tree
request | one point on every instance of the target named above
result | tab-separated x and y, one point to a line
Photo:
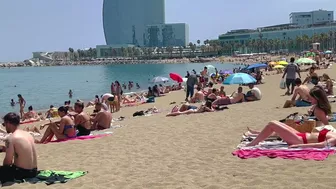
198	42
71	51
180	51
170	50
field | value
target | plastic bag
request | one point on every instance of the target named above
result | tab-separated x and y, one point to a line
282	84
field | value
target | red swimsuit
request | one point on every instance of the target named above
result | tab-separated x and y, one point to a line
321	137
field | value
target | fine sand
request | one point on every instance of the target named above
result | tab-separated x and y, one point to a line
191	151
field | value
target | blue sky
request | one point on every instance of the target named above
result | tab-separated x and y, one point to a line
56	25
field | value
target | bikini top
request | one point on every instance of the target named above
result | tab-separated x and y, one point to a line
322	135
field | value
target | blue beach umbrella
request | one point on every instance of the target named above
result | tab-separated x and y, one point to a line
239	78
257	66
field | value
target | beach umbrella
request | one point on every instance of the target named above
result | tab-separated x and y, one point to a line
284	63
224	72
176	77
159	79
310	54
211	68
279	67
239	78
328	52
305	61
257	66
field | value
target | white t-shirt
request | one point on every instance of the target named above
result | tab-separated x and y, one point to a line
106	96
256	92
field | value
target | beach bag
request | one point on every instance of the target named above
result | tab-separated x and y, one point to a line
282	84
302	127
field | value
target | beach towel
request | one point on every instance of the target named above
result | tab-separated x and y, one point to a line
88	137
305	154
52	177
275	148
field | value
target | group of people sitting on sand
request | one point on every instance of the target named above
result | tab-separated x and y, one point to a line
212	98
77	123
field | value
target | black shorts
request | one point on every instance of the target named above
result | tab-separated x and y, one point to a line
11	173
290	82
82	131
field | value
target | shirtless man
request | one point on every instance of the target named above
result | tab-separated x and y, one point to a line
20	147
198	97
31	114
22	103
233	99
82	120
303	92
102	120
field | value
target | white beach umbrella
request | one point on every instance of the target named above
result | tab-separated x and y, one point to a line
159	79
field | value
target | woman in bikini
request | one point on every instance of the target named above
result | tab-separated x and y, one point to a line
324	138
64	129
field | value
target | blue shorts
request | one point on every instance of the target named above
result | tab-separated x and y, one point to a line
302	103
192	107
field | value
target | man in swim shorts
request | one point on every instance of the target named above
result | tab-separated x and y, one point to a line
303	92
102	120
20	161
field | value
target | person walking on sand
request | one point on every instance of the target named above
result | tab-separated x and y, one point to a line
22	103
191	82
20	161
290	73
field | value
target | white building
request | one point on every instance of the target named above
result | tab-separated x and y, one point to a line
310	18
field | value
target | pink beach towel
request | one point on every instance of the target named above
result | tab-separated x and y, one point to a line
81	138
305	154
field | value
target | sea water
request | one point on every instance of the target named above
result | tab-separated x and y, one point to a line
45	86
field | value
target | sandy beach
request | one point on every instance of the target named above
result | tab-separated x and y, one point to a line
191	151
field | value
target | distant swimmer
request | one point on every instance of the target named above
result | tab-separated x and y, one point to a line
12	103
137	85
22	103
70	93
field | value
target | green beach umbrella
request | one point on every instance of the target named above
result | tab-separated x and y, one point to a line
328	52
305	61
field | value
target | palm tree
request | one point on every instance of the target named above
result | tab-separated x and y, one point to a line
203	48
305	41
66	54
277	43
170	50
71	51
298	43
193	48
181	51
198	42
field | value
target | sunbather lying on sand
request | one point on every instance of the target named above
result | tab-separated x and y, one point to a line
137	98
188	109
295	139
316	140
235	98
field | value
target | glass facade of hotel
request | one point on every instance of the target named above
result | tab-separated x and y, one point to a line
165	35
125	20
